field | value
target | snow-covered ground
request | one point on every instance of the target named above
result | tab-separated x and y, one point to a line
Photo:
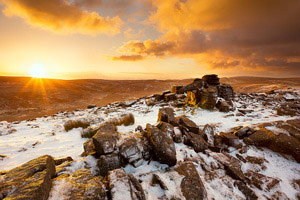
26	140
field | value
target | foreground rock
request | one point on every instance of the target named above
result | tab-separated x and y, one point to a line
105	140
191	185
31	180
163	145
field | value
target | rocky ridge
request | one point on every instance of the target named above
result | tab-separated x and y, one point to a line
175	155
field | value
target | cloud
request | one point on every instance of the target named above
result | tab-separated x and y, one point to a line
128	58
61	16
224	34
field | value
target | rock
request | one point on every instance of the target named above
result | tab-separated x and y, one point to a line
130	152
197	84
170	97
105	140
223	106
249	194
167	128
211	79
283	143
91	106
261	181
109	162
261	137
232	166
295	123
189	125
284	110
218	141
177	135
225	91
85	186
195	141
89	148
209	132
208	99
230	139
243	132
191	185
163	145
31	180
62	160
123	186
167	115
176	88
245	111
157	180
292	130
255	160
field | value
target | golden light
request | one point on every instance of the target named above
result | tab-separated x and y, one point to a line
37	71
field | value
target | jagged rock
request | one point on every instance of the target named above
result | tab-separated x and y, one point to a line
225	91
261	137
261	181
31	180
197	84
249	194
130	152
105	140
157	180
196	141
91	106
209	133
230	139
189	125
223	106
62	160
295	123
170	97
176	88
167	128
208	99
255	160
85	186
191	185
167	115
211	79
243	132
89	148
177	135
232	166
292	130
284	110
218	141
109	162
245	111
123	186
278	196
286	144
163	145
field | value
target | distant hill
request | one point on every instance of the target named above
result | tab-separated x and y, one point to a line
22	97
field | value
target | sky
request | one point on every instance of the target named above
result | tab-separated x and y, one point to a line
150	39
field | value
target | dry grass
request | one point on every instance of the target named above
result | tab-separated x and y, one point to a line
69	125
126	120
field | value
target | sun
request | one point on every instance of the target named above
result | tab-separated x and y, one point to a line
37	71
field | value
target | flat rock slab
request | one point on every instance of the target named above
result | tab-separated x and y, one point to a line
31	180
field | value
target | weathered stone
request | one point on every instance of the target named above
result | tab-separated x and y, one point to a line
167	128
211	79
123	186
196	141
243	132
223	106
62	160
170	97
167	115
295	123
255	160
230	139
292	130
191	185
261	137
89	148
85	186
157	180
91	106
197	84
163	145
105	140
31	180
249	194
232	166
208	130
225	91
189	125
261	181
109	162
130	152
176	88
208	99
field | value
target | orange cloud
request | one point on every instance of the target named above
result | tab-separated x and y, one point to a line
60	16
128	58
